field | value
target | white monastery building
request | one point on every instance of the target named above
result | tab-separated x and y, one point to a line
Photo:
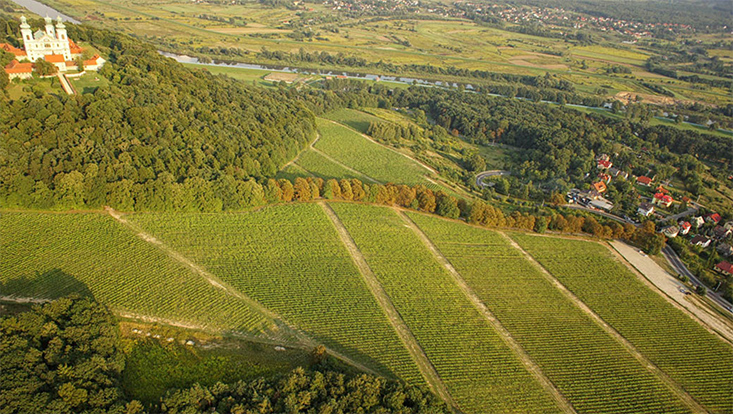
51	44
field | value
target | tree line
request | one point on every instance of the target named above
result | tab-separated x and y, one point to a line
67	356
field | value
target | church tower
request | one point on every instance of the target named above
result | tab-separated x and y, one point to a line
61	30
49	28
25	30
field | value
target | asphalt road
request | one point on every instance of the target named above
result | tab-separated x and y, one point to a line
595	211
680	267
490	173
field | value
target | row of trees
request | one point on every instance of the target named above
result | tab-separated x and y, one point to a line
67	357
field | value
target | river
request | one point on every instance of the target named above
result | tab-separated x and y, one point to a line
42	10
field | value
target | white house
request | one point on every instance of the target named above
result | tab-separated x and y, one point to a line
645	209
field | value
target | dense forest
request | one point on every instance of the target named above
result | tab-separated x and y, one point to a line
67	356
158	123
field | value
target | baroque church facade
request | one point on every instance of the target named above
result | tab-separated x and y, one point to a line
52	40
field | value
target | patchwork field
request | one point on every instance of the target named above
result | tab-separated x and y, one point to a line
689	354
593	371
291	259
52	255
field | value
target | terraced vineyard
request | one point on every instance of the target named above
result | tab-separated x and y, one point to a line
290	259
690	355
53	255
587	365
367	157
479	370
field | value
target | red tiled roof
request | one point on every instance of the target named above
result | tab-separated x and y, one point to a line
644	180
725	266
686	225
715	217
54	58
600	186
605	164
74	48
662	197
92	61
17	67
12	49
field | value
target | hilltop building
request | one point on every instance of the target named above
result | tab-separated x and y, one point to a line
51	44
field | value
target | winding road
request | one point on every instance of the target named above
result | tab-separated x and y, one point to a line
490	173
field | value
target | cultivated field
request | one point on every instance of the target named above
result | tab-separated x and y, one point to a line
593	371
290	259
690	355
53	255
478	369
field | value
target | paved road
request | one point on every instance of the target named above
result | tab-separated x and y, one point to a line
688	212
599	212
680	267
490	173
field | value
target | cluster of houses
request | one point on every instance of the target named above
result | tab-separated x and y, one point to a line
50	44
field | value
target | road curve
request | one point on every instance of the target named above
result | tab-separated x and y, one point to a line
680	267
490	173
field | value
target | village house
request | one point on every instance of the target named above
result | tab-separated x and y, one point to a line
598	188
615	172
700	241
698	221
661	199
644	180
50	44
720	232
713	218
725	249
606	178
684	227
645	209
724	268
671	231
604	164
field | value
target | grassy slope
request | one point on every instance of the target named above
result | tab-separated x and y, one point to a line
52	255
290	258
477	367
689	354
593	371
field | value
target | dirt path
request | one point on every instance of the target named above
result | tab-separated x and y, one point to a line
277	321
671	384
654	276
344	166
16	299
530	365
294	160
393	316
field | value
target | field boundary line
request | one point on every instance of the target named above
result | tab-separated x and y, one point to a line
669	382
672	301
344	166
306	341
25	300
422	361
310	145
365	136
477	303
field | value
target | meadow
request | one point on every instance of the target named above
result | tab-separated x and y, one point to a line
47	255
291	260
479	370
693	357
594	372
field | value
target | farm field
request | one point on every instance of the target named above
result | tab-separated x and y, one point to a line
290	259
372	159
479	370
588	366
53	255
693	357
316	164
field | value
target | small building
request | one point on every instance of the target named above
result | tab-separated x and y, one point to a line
615	172
700	241
18	53
644	180
661	189
19	70
685	227
662	199
601	204
95	63
606	178
725	249
721	232
604	164
671	231
698	221
599	187
713	218
57	60
724	268
645	209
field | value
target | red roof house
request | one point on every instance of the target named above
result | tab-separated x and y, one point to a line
724	267
16	69
604	164
713	218
12	49
662	200
644	180
74	48
685	227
